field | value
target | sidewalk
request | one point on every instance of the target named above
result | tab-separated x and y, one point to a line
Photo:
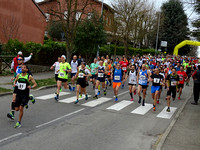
185	134
5	80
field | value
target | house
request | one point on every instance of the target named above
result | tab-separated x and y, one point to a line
93	5
22	20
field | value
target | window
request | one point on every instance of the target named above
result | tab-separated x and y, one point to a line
78	15
65	15
46	33
90	15
47	17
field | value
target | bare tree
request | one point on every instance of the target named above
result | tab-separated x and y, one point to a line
10	28
70	13
134	18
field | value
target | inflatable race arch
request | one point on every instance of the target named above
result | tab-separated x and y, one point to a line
186	42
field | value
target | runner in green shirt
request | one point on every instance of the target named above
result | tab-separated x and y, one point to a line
65	68
93	67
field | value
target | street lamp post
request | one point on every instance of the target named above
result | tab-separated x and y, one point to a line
157	33
102	21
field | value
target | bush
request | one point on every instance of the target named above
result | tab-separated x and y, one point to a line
109	50
45	54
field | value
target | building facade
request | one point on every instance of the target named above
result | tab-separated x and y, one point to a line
85	8
22	20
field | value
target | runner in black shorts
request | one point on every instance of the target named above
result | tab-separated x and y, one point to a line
101	72
172	84
23	79
81	84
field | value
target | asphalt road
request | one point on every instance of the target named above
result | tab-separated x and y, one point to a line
92	125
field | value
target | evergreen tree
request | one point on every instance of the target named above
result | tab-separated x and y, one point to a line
174	25
196	23
90	34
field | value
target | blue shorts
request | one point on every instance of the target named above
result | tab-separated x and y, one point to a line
155	88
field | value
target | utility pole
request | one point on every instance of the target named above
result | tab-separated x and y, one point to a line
102	22
156	50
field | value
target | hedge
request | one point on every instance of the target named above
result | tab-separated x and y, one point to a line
43	54
109	50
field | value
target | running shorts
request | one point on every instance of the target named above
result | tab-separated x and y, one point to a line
144	86
93	77
63	80
115	84
82	83
56	77
73	74
181	86
21	100
155	88
172	91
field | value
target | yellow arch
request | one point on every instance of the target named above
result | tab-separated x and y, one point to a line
186	42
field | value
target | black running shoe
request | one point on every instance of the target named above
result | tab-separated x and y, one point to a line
10	115
95	97
140	98
76	102
143	103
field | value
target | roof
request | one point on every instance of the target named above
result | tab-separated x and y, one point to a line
105	5
39	8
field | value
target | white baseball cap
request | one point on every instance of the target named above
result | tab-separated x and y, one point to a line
63	56
19	53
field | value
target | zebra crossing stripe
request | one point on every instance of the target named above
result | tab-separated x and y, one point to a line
71	99
49	96
167	115
97	102
141	110
119	106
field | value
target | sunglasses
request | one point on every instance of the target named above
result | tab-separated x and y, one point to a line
19	59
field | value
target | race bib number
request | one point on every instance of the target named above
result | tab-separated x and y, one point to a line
142	77
100	75
21	86
181	78
124	68
117	78
156	80
81	75
173	83
62	74
93	70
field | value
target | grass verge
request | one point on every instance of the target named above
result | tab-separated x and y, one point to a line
3	90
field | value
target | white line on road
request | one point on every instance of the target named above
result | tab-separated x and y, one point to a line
119	106
49	96
10	137
71	99
141	110
97	102
123	93
167	115
67	115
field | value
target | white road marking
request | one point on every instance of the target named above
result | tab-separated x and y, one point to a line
141	110
10	137
71	99
67	115
97	102
49	96
119	106
167	115
123	93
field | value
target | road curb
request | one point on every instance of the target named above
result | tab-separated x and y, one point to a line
169	128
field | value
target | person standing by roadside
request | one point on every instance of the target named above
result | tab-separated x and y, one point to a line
14	63
196	87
